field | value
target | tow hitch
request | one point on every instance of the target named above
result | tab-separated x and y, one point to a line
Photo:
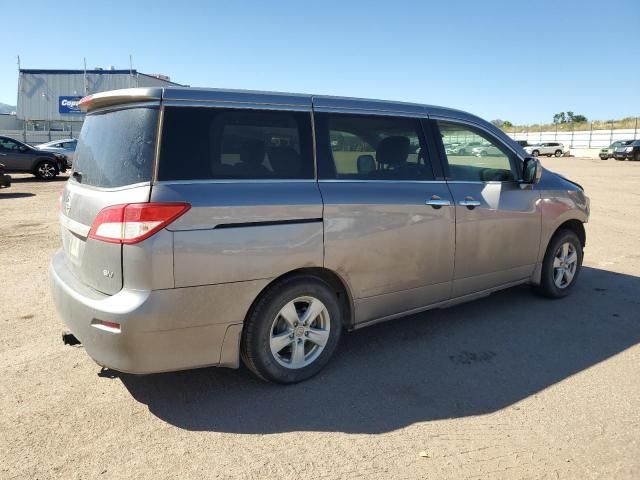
69	338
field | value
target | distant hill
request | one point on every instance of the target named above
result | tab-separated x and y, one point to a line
4	108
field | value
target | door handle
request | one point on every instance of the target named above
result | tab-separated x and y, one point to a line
437	202
469	202
3	154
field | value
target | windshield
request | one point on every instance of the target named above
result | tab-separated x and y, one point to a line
116	148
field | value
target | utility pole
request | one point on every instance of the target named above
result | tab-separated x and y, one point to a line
86	84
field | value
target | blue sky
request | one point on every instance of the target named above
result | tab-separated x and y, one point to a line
516	60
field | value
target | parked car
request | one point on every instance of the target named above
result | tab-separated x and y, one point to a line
66	146
486	150
629	151
546	148
464	148
19	157
607	153
245	234
5	180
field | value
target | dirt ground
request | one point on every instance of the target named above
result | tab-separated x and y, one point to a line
511	386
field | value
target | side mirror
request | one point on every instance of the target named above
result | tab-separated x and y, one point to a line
22	148
366	164
531	171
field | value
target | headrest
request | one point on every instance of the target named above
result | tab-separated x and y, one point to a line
393	150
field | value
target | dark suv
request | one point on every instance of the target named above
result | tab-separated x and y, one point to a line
630	151
19	157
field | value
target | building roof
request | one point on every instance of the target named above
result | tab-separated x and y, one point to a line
44	71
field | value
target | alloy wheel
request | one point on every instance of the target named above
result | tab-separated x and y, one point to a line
46	170
299	332
565	264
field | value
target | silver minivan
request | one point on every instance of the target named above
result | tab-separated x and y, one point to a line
203	226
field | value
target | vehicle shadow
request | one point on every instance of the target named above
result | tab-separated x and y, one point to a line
468	360
32	179
16	194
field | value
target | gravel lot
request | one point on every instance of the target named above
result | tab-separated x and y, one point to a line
511	386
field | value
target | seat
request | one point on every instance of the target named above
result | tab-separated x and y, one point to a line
285	162
251	158
392	154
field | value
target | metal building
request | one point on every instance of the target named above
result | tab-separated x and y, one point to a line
48	99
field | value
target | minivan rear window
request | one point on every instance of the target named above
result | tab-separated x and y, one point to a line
217	143
116	148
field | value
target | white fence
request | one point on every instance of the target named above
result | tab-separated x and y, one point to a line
580	138
575	139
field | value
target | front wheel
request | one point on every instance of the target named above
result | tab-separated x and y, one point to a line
46	170
558	153
561	265
535	153
292	331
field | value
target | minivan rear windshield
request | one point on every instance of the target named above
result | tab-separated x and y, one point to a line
116	148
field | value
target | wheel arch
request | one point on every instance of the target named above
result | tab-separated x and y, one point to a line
335	281
40	160
573	224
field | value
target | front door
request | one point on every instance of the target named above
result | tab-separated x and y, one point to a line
388	224
498	220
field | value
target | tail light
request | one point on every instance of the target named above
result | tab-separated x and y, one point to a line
134	222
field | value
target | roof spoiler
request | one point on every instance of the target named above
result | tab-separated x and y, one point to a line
117	97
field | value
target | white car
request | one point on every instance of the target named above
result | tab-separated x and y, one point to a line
487	150
546	148
66	146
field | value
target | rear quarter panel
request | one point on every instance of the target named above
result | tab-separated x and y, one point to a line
239	231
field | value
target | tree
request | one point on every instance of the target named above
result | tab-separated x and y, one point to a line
560	118
502	123
569	117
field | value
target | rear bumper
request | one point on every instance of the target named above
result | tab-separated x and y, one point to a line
160	330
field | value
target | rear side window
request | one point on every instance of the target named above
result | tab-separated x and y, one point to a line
212	143
116	148
372	148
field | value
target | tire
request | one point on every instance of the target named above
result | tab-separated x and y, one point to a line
558	153
557	281
46	170
535	153
636	156
276	344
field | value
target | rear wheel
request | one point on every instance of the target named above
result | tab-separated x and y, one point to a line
535	153
46	170
292	331
558	153
561	265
